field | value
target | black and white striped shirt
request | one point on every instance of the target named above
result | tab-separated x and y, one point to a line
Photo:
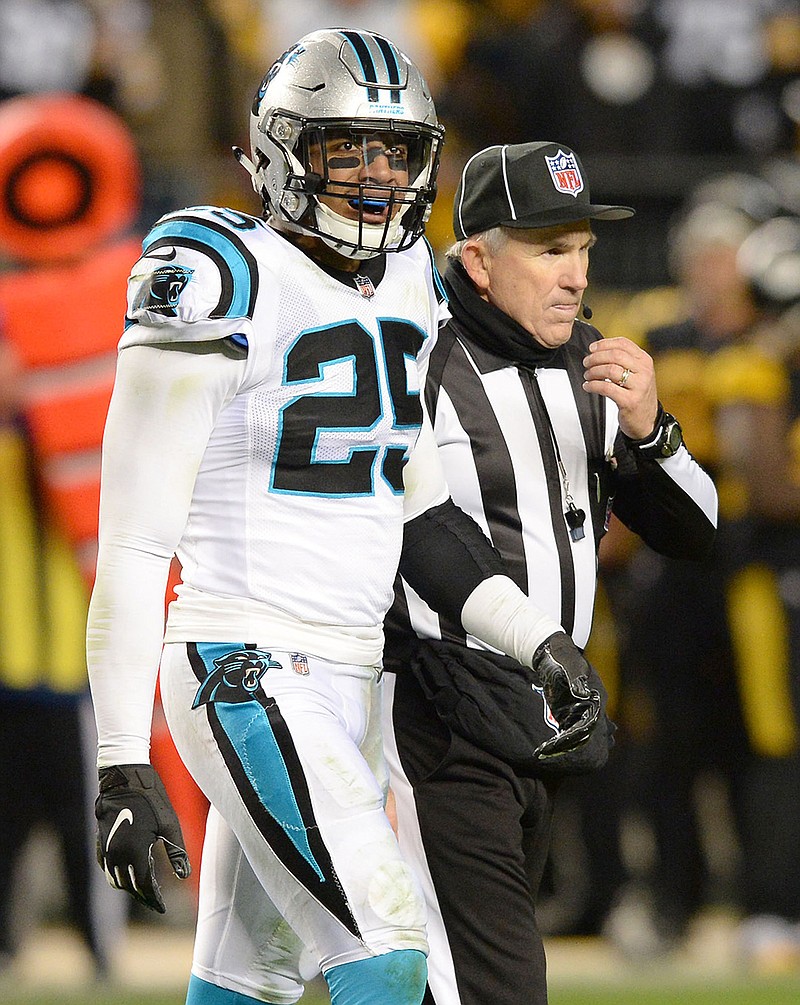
507	414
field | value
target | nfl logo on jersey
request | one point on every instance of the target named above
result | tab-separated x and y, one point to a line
365	287
565	173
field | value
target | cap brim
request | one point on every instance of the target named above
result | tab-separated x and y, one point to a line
569	214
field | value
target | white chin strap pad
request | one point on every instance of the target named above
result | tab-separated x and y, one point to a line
371	237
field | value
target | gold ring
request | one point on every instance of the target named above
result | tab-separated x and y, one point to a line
623	380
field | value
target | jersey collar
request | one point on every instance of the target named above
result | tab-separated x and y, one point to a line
373	269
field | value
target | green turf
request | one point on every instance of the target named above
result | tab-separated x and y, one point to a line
87	997
113	996
638	992
642	992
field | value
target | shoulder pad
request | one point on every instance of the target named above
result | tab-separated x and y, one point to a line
196	269
421	256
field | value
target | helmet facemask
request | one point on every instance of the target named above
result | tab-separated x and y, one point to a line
363	184
370	187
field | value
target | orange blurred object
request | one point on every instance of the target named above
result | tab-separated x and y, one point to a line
70	183
70	177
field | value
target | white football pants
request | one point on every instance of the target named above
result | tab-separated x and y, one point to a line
299	857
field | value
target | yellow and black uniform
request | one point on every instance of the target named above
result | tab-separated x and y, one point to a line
70	184
44	596
678	650
763	600
46	730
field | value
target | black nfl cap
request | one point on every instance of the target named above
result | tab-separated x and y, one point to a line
525	185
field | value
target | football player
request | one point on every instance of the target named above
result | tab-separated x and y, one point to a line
266	426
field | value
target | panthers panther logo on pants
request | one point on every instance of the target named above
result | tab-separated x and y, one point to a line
236	677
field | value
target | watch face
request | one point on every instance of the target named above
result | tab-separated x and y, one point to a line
672	440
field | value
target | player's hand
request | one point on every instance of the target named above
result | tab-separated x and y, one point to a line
563	676
133	812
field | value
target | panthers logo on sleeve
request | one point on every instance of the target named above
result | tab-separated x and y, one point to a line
236	677
196	265
161	291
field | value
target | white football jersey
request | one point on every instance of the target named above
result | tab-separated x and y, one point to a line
297	508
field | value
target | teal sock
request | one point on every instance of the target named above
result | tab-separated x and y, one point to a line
202	993
396	978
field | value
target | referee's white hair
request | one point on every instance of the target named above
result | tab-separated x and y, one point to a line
494	240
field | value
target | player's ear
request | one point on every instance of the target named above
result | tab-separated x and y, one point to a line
475	257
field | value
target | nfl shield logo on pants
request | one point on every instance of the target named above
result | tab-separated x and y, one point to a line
565	173
300	664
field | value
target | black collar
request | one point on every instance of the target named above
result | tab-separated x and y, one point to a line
373	268
498	337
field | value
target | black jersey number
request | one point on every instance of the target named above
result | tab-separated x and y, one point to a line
301	465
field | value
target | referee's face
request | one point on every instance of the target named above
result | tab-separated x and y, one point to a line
537	277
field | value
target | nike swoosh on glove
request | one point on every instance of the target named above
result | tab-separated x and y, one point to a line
133	812
563	678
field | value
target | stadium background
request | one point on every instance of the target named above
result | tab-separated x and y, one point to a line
656	97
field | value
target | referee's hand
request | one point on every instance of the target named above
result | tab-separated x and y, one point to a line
619	369
564	678
133	812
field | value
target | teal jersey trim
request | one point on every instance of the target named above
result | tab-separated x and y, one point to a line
238	268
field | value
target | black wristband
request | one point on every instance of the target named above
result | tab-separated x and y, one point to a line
663	441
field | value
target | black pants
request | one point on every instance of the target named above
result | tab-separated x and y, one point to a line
484	837
680	678
770	785
43	782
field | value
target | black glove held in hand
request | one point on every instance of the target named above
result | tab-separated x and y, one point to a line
563	676
133	812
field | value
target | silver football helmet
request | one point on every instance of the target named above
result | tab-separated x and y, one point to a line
341	97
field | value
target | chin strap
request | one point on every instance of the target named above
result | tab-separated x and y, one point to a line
338	233
342	235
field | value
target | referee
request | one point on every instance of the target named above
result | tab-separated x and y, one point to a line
544	429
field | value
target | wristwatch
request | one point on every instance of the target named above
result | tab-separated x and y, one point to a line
664	441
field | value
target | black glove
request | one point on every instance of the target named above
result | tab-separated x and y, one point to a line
564	678
133	812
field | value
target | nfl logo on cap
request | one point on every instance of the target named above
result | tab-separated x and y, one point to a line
565	173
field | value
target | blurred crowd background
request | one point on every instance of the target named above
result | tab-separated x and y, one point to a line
687	110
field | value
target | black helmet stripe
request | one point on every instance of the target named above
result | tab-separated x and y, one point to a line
391	65
361	45
367	63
